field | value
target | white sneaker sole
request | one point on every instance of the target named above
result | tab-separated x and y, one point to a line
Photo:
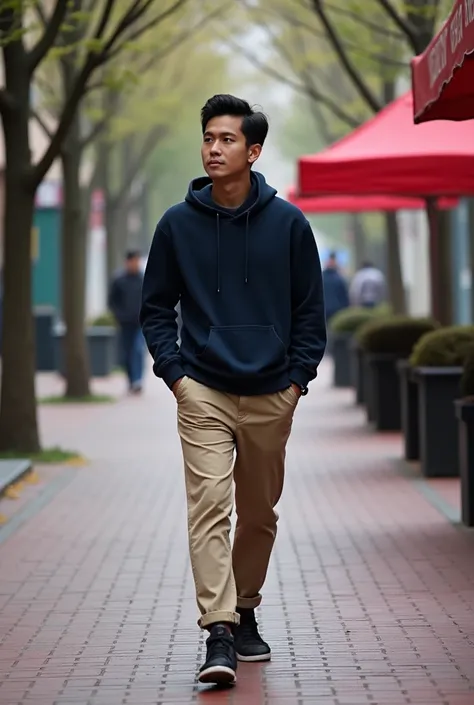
220	675
254	659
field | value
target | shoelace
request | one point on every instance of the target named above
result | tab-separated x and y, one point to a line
219	644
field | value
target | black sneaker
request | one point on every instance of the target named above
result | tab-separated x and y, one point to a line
221	661
249	645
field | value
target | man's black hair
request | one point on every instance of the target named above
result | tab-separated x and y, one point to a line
132	254
254	123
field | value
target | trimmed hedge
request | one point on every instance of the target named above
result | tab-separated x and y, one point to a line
350	319
396	335
445	347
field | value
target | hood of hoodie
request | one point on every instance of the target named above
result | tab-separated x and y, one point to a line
200	197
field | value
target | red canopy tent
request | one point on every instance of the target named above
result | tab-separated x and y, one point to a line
360	204
443	76
389	155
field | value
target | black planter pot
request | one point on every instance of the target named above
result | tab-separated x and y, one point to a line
340	354
368	382
102	346
465	417
44	319
385	389
409	410
438	388
357	371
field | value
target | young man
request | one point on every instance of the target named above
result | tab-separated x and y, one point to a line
336	293
124	302
245	268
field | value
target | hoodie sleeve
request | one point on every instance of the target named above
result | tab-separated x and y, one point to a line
160	295
308	326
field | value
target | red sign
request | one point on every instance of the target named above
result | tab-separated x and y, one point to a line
443	76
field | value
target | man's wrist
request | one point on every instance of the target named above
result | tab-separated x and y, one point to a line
302	391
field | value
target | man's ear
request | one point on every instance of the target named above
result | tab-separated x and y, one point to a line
254	152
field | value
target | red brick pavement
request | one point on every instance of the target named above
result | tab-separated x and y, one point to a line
369	598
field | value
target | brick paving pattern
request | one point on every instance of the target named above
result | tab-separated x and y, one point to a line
369	598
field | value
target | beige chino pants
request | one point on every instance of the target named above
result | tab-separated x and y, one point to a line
215	428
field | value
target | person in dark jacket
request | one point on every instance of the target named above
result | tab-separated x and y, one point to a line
245	267
336	291
124	303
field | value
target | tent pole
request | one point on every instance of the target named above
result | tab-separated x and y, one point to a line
470	223
432	214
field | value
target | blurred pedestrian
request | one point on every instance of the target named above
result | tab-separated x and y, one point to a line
124	303
336	292
245	267
368	287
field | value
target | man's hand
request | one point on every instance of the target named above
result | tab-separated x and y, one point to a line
296	389
175	386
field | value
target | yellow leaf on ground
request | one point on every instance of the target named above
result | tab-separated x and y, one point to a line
11	493
3	519
32	478
77	462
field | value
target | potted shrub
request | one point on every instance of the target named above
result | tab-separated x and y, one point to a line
385	342
342	328
465	418
102	346
437	361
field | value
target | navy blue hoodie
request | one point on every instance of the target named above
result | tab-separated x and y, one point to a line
250	286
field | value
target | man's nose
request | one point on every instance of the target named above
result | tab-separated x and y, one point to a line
215	149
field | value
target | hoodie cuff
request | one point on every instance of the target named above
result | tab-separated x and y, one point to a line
171	372
300	377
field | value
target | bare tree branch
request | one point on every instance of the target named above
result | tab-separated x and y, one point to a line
47	39
40	120
111	51
41	13
402	23
155	135
92	61
309	91
359	83
360	18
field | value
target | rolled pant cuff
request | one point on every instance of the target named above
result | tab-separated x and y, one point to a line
216	617
249	603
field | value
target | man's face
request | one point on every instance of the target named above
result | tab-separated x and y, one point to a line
133	265
224	150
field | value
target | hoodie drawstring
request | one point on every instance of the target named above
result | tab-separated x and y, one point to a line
247	248
218	244
218	255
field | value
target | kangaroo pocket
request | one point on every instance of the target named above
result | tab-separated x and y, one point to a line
243	350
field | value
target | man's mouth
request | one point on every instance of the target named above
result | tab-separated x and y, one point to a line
214	162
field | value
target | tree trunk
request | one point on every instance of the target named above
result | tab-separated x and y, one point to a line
18	421
359	243
396	288
74	258
440	264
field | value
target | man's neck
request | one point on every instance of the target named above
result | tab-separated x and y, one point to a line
231	194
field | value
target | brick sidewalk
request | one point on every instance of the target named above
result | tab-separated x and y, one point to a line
369	598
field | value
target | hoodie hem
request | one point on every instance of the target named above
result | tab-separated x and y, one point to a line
254	386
